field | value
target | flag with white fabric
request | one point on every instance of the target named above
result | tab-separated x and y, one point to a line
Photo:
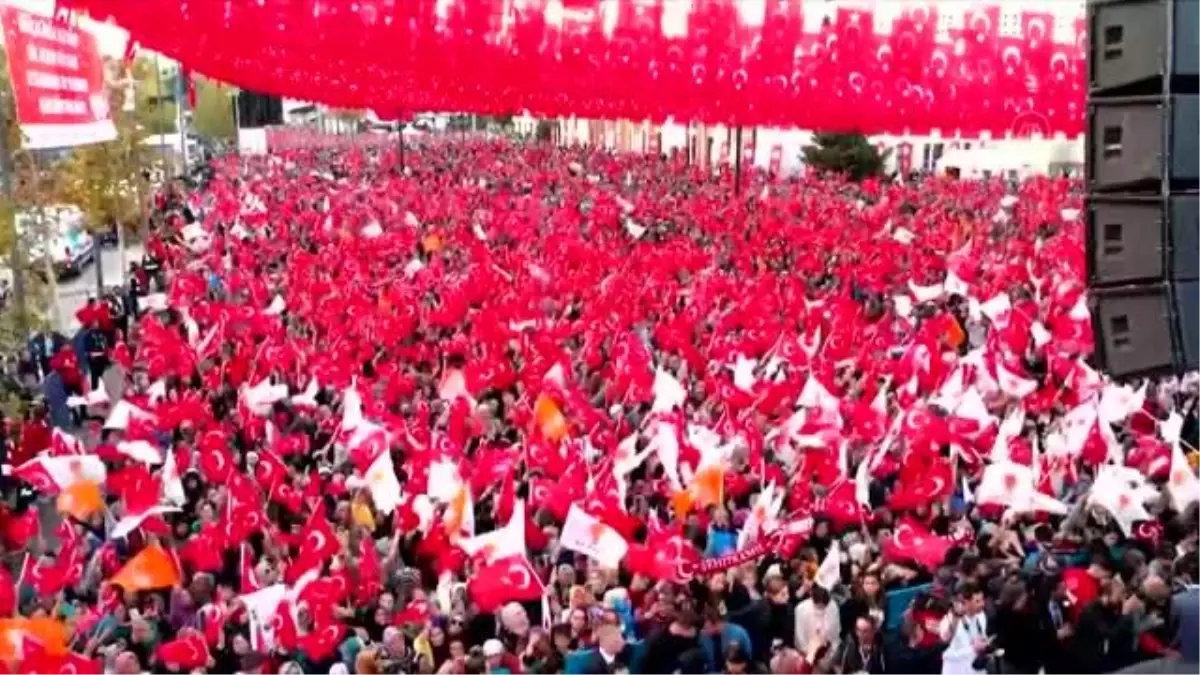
829	574
586	534
502	542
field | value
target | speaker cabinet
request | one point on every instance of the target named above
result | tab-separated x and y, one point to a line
1133	335
1143	177
1137	42
1136	143
1135	239
258	110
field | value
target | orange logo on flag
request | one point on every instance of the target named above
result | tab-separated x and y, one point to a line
149	570
681	503
550	419
955	336
431	243
455	512
709	486
81	500
49	634
596	532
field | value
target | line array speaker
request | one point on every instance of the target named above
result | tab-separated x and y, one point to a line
1142	175
258	110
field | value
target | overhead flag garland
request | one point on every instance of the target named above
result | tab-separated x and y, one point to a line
964	69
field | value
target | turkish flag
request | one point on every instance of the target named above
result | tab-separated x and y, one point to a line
320	544
506	580
321	643
185	653
910	541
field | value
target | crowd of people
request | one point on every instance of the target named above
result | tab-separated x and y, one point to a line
498	408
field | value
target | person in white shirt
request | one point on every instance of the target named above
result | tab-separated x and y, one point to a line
818	614
965	632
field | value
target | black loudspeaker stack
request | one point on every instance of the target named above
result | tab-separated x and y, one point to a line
1142	180
255	111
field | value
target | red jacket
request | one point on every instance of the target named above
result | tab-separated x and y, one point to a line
35	437
1083	588
66	364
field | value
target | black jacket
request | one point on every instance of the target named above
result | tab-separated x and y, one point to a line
667	652
850	658
900	657
1022	637
1104	640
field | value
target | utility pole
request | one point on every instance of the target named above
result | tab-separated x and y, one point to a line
737	162
16	259
400	134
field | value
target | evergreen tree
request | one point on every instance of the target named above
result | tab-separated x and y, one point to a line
851	154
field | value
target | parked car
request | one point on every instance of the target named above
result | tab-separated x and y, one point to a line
62	235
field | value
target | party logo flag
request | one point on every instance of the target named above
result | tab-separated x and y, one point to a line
586	534
550	420
81	500
150	569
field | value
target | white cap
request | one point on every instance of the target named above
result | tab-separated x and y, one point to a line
493	647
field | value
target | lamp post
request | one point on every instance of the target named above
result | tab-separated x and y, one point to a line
737	162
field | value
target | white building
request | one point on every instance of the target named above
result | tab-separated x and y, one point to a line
712	143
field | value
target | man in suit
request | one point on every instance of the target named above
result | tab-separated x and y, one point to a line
1186	608
609	655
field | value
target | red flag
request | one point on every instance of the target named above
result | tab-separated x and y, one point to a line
130	52
203	551
190	82
185	653
370	576
249	579
416	612
320	644
912	542
319	545
46	579
506	580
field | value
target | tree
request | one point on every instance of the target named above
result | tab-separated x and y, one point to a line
154	98
213	117
33	187
106	180
460	123
851	154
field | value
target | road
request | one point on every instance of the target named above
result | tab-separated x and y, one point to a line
73	293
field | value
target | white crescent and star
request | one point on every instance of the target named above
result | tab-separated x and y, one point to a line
518	575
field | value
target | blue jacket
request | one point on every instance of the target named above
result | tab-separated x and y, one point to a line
714	654
56	401
720	542
1186	605
41	351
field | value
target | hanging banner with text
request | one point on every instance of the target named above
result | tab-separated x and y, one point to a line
58	81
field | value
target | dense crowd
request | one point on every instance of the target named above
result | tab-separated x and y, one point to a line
496	408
